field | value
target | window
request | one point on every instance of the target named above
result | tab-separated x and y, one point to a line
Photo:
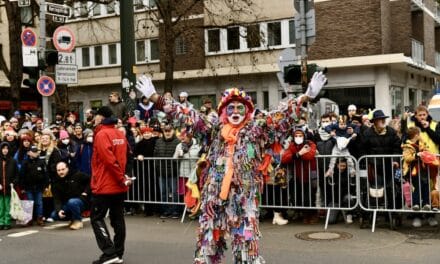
253	36
274	33
181	47
140	51
138	4
96	9
80	9
292	37
111	7
112	55
85	57
98	55
214	40
233	38
154	49
152	3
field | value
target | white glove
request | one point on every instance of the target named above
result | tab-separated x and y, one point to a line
180	152
140	157
145	86
1	187
316	83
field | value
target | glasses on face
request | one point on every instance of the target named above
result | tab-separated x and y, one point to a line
168	131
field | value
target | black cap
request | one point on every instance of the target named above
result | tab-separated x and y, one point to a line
105	111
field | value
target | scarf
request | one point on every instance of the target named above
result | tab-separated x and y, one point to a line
229	134
323	134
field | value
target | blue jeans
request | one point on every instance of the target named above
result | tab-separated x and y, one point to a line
37	197
72	210
168	193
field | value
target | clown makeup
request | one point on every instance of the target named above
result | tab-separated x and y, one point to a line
236	112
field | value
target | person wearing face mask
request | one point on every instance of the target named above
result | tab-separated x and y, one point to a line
324	146
68	150
300	155
84	157
380	139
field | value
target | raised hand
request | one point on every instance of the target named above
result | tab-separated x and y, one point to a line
145	86
316	83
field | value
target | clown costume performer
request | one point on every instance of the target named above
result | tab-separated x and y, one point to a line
232	180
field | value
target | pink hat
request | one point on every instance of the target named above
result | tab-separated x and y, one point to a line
63	134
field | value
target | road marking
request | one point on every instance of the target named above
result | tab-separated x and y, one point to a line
56	226
24	233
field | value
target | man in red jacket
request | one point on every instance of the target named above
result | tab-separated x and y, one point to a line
109	185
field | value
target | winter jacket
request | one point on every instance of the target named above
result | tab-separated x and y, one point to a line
302	165
8	172
375	144
70	186
189	157
119	110
165	148
84	158
109	160
429	135
33	176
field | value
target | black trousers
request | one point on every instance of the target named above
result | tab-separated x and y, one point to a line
100	205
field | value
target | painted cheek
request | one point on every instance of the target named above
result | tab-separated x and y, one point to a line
229	110
242	110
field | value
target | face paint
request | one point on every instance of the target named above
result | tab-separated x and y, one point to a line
236	112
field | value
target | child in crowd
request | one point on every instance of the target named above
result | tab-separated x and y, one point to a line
8	175
340	190
33	180
344	134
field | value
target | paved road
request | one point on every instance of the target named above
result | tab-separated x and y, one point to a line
152	240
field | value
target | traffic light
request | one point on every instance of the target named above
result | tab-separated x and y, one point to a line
293	73
51	57
34	75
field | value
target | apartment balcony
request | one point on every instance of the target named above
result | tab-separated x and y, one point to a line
420	5
417	52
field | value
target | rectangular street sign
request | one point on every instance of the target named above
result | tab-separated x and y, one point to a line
30	56
66	58
58	19
23	3
57	9
66	74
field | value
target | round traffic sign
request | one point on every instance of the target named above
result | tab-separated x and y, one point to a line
28	37
46	86
63	39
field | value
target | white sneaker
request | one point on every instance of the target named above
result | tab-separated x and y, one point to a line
120	260
49	220
417	222
349	219
432	221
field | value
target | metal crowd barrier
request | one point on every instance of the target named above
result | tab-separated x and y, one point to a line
385	187
374	183
161	181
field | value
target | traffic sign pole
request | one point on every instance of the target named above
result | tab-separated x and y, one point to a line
45	100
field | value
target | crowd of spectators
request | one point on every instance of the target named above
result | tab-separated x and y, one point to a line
38	157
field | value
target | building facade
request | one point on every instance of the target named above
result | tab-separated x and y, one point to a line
379	53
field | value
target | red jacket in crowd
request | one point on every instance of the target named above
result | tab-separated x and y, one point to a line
304	165
109	160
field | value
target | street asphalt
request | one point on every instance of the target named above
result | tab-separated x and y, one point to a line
153	240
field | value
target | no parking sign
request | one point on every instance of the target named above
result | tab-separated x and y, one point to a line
46	86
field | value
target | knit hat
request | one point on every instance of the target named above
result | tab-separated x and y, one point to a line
105	111
235	94
87	132
183	94
146	130
63	134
